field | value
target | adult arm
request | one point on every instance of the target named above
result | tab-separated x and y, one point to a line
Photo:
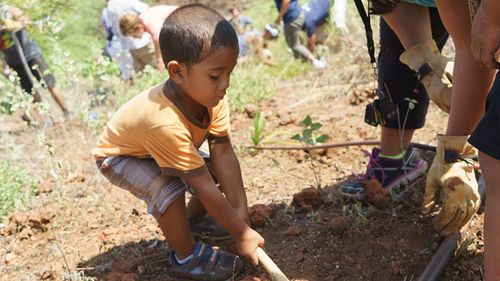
485	34
155	36
282	12
311	42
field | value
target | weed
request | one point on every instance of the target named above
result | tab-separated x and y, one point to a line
463	249
249	85
15	187
355	212
259	135
258	128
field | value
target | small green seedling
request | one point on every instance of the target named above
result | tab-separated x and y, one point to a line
309	137
258	128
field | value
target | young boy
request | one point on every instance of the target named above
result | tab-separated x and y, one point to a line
23	55
149	21
150	145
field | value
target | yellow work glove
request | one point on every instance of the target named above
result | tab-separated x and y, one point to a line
456	179
435	71
11	18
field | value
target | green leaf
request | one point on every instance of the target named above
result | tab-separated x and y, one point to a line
307	134
296	137
315	126
307	121
322	138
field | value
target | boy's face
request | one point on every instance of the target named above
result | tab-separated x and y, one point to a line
207	82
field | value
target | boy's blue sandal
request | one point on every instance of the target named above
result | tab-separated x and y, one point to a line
391	173
205	228
207	264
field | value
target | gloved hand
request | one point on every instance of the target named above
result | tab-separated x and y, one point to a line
457	182
435	70
11	18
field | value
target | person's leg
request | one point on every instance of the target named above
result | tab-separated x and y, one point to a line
144	56
470	82
292	36
40	69
411	23
396	163
138	64
394	141
412	26
149	56
25	79
163	194
178	237
490	167
195	208
399	82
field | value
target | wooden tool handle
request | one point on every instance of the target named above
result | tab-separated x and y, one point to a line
270	266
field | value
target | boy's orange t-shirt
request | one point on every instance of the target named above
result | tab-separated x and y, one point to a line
154	125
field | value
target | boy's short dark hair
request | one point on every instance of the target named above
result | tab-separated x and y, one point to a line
192	32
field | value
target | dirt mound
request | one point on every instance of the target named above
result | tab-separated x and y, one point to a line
260	213
307	200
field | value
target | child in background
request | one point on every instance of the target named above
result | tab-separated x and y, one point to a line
240	23
254	42
150	145
149	21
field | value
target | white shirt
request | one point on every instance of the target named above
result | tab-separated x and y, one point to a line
118	8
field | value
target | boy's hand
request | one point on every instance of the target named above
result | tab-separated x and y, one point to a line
248	243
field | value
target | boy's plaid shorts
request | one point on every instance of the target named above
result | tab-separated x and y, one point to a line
143	178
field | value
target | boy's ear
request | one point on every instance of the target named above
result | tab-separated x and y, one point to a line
176	71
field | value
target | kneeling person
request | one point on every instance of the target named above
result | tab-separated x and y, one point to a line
150	145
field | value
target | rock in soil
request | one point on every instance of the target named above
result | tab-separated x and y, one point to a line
293	231
339	224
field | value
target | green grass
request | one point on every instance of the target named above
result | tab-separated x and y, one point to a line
249	84
15	187
71	39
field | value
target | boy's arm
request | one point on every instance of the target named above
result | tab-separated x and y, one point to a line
219	209
227	170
